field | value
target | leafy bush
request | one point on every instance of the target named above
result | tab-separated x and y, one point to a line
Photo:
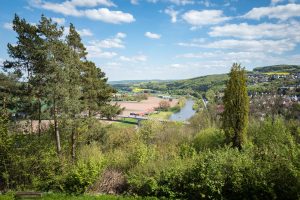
86	170
210	138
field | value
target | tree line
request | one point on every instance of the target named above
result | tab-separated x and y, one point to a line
49	73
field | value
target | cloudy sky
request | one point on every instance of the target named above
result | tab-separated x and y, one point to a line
170	39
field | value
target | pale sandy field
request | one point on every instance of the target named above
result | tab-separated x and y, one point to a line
144	106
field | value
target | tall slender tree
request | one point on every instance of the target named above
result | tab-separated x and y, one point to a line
25	54
77	53
55	52
236	107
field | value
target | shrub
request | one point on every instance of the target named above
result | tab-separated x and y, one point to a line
164	105
210	138
86	170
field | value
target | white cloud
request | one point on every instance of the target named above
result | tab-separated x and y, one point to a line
243	57
8	26
274	2
282	12
205	17
106	15
113	64
172	13
135	2
95	47
121	35
70	8
152	35
206	3
96	52
176	2
265	30
82	32
137	58
177	65
66	8
59	21
271	46
85	32
114	42
182	2
1	61
198	42
91	3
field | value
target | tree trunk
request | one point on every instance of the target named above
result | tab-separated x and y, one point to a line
40	113
57	135
73	139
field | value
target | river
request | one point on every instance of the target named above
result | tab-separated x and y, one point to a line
185	113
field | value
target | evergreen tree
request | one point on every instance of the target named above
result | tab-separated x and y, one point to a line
55	52
57	74
236	107
77	53
5	157
25	55
96	91
74	41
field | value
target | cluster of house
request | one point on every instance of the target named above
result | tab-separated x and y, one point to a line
265	77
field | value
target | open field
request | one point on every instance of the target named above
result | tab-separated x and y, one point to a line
161	115
143	106
277	73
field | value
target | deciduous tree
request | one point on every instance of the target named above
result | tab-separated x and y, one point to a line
236	107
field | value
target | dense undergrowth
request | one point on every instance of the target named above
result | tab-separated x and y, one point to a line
164	160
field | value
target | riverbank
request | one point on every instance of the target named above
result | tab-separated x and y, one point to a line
185	113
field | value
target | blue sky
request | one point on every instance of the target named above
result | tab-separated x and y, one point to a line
170	39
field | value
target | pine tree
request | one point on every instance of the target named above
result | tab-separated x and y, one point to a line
75	65
55	52
58	74
25	55
236	107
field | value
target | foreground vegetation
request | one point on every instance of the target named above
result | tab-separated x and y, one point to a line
50	196
220	154
163	160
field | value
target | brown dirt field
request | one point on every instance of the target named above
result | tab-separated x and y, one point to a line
143	106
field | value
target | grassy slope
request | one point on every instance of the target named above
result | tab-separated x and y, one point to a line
278	68
200	85
161	115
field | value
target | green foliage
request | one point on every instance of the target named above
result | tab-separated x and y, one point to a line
110	111
236	107
86	170
56	196
198	105
210	138
180	104
161	159
5	158
31	162
278	68
202	120
59	77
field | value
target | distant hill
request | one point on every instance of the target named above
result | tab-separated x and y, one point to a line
278	68
121	82
201	85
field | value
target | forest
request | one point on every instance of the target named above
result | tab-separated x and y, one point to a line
237	151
